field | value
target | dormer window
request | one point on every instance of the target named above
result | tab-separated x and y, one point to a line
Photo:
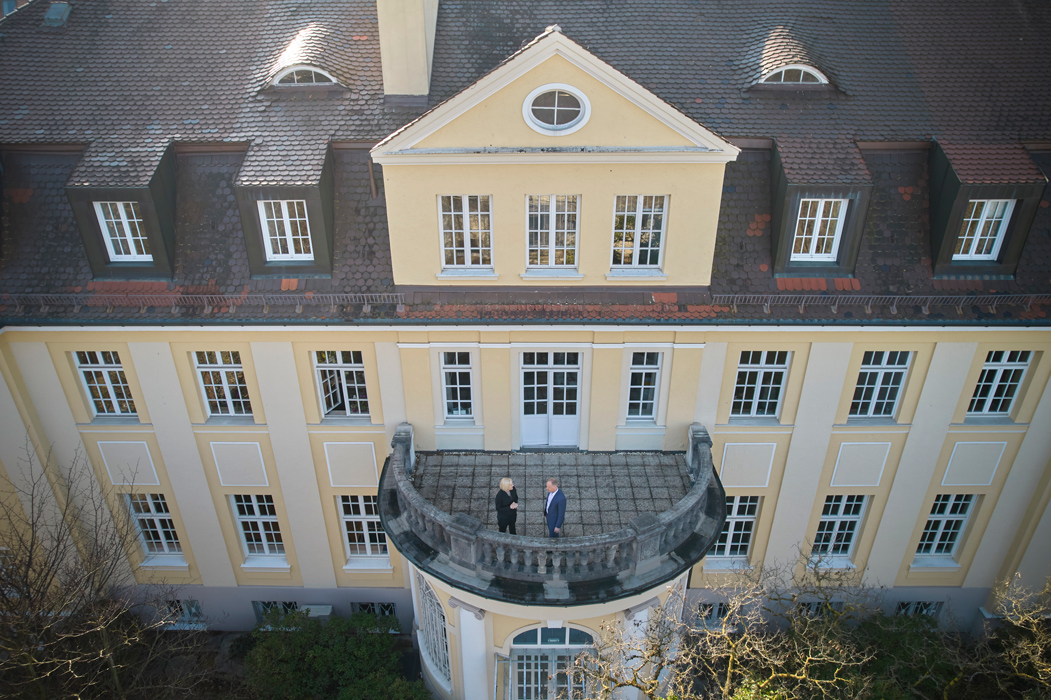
795	75
983	229
304	75
121	224
556	109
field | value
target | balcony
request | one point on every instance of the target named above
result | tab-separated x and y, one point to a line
634	520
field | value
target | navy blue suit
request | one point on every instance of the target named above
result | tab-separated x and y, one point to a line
555	513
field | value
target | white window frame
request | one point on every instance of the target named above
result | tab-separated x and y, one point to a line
1001	378
944	529
262	608
226	365
881	382
739	530
373	549
821	79
153	521
434	640
458	368
990	215
550	129
819	222
344	377
329	79
467	248
839	528
644	375
260	511
109	379
185	614
284	217
552	231
711	614
640	212
913	608
769	365
121	227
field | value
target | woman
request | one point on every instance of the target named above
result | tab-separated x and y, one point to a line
507	506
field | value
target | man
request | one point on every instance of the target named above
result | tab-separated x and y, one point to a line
555	510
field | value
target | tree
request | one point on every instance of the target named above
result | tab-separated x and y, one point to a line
75	623
294	657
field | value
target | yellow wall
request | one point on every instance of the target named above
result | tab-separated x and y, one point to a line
692	215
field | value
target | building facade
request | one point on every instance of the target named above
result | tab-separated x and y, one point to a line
302	281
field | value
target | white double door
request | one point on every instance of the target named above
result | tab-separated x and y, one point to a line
550	399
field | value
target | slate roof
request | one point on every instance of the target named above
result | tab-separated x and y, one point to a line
128	78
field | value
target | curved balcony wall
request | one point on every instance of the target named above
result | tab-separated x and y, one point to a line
458	549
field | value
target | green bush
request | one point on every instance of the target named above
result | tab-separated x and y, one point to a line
295	657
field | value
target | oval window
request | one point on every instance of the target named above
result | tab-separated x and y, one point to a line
556	109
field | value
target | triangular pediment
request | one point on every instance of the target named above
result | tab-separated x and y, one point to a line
489	121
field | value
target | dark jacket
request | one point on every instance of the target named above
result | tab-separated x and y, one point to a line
556	513
504	513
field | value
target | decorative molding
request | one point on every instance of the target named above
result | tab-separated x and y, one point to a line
457	603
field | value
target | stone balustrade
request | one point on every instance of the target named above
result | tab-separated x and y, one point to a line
459	549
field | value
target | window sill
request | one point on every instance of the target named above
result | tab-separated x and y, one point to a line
229	420
167	562
364	421
109	419
551	273
769	421
873	422
265	564
371	565
933	562
644	273
832	561
988	419
458	425
726	563
300	259
485	273
187	626
641	425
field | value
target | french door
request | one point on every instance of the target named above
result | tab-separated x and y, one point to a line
547	675
550	399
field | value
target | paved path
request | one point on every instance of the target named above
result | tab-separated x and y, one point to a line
604	490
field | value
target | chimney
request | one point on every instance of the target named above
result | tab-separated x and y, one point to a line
406	47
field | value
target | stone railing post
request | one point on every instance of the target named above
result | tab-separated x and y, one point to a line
403	439
464	547
699	454
648	530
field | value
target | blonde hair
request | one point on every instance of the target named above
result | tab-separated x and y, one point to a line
506	484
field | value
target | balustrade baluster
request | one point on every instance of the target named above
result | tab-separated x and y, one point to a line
541	562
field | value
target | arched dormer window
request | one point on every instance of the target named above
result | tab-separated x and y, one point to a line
795	74
304	75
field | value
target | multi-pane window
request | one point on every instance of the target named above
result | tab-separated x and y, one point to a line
361	526
712	614
123	231
638	230
285	229
263	608
184	612
154	522
879	383
735	540
760	383
999	381
466	231
105	383
341	378
838	528
947	521
223	383
930	608
257	519
552	230
456	377
642	384
433	639
982	232
818	229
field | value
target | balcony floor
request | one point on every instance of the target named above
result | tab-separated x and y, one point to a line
603	492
